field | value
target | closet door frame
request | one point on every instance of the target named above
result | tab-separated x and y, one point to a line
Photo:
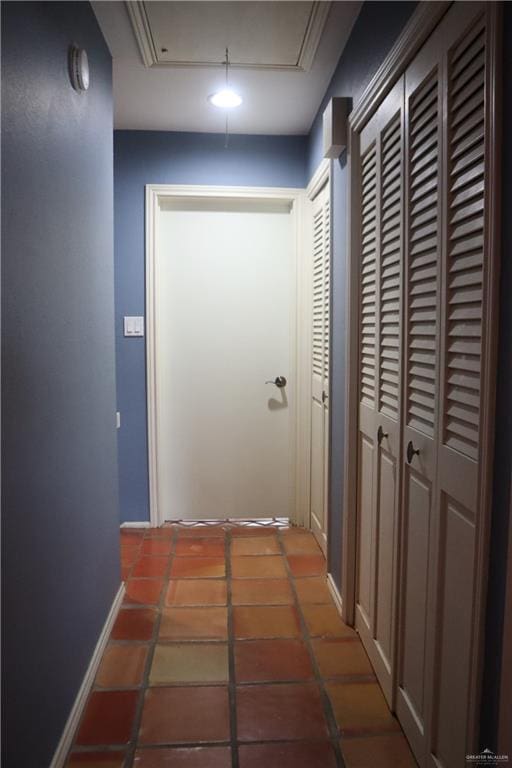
419	28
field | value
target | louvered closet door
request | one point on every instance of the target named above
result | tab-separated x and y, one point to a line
422	268
320	365
381	238
445	295
465	286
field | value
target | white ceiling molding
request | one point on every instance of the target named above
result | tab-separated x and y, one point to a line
314	30
151	52
142	31
280	101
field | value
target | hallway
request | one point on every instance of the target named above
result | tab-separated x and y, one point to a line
229	651
255	266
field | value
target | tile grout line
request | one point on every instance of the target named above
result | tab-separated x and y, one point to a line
130	748
144	687
332	726
231	654
349	679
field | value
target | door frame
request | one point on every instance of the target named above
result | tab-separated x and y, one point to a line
300	323
420	26
319	179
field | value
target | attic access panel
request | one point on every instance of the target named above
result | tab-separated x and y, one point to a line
260	35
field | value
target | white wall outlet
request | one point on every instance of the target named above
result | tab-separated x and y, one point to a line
133	326
118	419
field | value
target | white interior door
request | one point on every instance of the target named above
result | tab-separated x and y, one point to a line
224	303
321	276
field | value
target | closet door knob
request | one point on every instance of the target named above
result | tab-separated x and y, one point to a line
381	434
411	452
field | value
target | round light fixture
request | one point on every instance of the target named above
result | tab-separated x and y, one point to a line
78	68
225	99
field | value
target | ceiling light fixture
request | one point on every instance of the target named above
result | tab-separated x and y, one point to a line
226	98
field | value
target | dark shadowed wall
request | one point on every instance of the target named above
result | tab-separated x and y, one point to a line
503	444
60	523
157	157
374	33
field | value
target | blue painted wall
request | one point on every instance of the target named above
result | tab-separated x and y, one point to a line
153	157
60	548
363	54
159	157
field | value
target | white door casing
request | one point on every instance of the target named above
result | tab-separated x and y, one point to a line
159	198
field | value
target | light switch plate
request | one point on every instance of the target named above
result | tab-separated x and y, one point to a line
133	325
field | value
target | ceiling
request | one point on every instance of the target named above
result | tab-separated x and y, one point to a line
167	59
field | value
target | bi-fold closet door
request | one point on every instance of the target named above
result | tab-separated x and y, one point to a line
321	291
381	179
449	98
424	351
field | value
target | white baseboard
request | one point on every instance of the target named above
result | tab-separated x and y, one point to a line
333	589
144	524
66	739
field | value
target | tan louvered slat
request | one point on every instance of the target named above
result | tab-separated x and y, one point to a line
465	245
390	267
422	252
368	275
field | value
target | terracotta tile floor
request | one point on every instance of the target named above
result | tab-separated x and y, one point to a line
228	652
